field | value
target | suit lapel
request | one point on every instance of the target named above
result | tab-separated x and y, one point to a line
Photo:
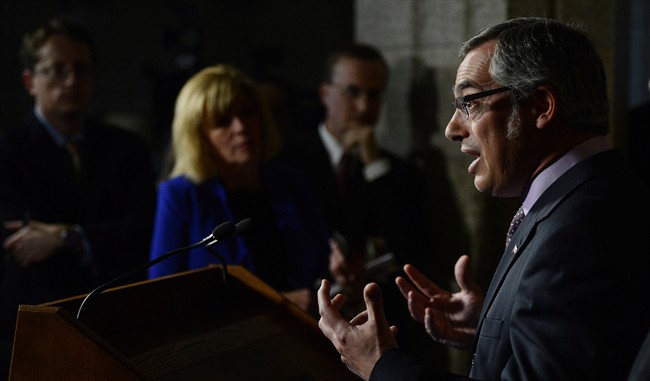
549	201
513	251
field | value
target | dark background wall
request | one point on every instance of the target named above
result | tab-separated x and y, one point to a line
639	53
281	41
148	48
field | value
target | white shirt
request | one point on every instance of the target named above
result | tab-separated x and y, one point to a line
334	148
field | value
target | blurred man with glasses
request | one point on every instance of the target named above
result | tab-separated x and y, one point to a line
376	202
76	195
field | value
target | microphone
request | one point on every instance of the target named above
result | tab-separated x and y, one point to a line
239	228
223	231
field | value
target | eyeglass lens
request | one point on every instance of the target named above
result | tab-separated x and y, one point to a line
61	73
353	92
462	103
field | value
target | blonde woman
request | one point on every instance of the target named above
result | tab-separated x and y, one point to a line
222	134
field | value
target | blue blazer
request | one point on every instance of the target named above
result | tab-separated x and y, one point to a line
569	299
186	213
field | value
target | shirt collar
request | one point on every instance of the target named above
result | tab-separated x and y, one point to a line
548	176
333	147
58	137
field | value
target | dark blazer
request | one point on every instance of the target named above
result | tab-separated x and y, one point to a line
397	207
393	207
569	299
641	368
113	200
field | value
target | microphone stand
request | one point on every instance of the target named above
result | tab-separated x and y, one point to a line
223	231
224	267
240	227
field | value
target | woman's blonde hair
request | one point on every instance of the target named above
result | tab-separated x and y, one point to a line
206	96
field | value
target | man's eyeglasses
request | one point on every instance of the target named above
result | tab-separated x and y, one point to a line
463	104
61	73
352	92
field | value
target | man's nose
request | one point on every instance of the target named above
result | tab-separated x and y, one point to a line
455	130
362	102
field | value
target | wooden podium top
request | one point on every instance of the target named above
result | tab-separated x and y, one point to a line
187	326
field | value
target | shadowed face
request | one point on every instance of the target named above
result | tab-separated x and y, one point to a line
354	94
236	135
61	81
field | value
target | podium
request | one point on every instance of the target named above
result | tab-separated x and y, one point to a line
190	326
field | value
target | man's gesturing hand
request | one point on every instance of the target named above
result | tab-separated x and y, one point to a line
363	340
449	318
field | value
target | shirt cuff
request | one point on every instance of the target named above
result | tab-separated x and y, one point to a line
396	365
376	169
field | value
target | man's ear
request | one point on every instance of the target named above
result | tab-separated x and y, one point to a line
545	104
323	93
28	81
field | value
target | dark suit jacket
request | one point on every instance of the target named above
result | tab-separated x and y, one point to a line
569	300
113	200
641	368
393	207
397	207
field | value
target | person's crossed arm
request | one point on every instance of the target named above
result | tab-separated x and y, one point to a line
34	242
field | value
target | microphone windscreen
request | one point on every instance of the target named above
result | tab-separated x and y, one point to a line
242	225
224	230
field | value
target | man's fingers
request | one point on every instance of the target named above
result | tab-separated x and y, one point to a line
404	286
361	318
374	302
337	301
323	296
416	276
325	309
429	324
416	307
423	284
462	274
328	308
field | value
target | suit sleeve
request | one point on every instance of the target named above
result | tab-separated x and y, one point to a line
641	368
396	365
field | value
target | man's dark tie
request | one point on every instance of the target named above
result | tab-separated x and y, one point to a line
343	171
73	149
516	221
